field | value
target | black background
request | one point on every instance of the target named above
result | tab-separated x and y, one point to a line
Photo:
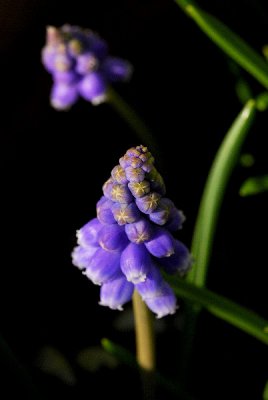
53	165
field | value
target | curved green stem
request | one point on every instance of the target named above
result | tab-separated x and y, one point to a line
132	119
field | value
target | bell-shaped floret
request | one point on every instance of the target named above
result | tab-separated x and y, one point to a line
135	262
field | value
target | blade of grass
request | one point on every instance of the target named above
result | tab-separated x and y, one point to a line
228	41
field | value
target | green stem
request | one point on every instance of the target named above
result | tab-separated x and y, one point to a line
228	41
133	120
145	345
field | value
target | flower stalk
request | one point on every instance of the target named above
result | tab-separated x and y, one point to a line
145	338
145	345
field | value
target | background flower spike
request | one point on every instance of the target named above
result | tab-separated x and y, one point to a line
80	65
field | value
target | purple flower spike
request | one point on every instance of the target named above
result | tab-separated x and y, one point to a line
48	56
152	285
135	262
120	194
139	189
63	62
107	188
67	77
93	88
88	235
125	213
115	293
135	174
63	95
103	266
86	63
140	231
157	182
96	44
164	303
83	53
148	203
117	69
180	261
161	215
113	238
176	219
119	175
161	244
81	257
104	211
130	242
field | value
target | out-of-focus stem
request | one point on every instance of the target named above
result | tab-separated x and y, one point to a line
133	120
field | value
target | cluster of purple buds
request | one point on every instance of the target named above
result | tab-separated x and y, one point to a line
80	65
131	239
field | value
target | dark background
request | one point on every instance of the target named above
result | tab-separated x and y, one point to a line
53	165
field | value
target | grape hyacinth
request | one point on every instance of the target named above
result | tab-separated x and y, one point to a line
80	65
131	239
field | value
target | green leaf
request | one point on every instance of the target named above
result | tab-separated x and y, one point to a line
51	361
246	160
119	352
223	308
254	185
265	392
243	91
94	357
228	41
262	101
221	169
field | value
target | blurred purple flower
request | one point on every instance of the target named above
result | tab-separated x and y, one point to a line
131	239
80	65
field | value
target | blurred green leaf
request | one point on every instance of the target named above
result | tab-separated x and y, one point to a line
95	357
228	41
122	354
243	90
51	361
265	51
262	101
223	308
254	185
265	392
127	358
246	160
